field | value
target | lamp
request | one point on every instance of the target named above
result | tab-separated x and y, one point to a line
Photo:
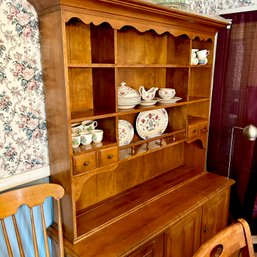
249	132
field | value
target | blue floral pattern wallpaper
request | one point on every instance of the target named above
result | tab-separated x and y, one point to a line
23	137
23	128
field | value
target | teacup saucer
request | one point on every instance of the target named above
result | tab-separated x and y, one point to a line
170	101
151	102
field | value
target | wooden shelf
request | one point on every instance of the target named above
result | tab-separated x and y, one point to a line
91	115
182	102
91	65
152	66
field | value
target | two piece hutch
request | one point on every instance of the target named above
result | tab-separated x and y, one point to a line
151	196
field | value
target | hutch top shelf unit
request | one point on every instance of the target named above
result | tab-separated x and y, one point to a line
89	47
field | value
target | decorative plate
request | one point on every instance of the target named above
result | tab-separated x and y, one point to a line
170	101
151	124
126	132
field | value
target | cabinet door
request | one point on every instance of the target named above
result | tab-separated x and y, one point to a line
215	213
183	239
153	248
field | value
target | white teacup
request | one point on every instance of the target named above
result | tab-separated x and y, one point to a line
77	128
86	138
97	135
89	125
167	93
75	140
202	54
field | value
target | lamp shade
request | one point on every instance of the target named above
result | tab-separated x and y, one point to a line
250	132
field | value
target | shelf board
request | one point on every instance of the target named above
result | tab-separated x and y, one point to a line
127	66
91	115
202	66
91	65
152	66
137	109
197	99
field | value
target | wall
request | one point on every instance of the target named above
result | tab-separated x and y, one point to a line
209	6
23	138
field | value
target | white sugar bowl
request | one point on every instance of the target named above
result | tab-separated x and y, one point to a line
166	93
126	91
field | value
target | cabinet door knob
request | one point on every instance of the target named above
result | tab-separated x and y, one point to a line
86	164
205	229
110	156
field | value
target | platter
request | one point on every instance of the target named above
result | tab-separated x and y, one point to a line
152	123
126	132
170	101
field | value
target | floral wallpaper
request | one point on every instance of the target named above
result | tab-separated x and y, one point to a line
23	136
23	130
215	6
210	6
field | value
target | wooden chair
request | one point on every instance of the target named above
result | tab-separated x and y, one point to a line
31	196
231	241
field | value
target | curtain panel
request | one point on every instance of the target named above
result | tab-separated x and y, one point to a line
234	103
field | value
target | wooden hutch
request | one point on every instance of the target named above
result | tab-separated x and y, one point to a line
153	196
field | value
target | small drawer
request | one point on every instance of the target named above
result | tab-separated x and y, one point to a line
193	131
203	127
85	162
108	156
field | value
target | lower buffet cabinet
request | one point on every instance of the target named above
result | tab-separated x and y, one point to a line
173	224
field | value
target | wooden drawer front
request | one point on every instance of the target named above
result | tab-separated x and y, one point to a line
203	127
108	156
84	162
193	131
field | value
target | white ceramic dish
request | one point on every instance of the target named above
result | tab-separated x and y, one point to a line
126	107
170	101
126	132
151	124
126	91
148	103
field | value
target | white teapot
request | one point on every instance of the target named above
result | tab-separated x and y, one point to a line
147	95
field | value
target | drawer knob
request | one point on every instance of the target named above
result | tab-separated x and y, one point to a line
205	229
86	164
110	156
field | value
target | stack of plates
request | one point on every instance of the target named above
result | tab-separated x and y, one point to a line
128	102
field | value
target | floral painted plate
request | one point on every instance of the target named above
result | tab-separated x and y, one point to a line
126	132
151	124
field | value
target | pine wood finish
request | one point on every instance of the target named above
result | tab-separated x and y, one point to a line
31	196
88	48
229	241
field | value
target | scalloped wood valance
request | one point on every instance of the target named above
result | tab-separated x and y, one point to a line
139	14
